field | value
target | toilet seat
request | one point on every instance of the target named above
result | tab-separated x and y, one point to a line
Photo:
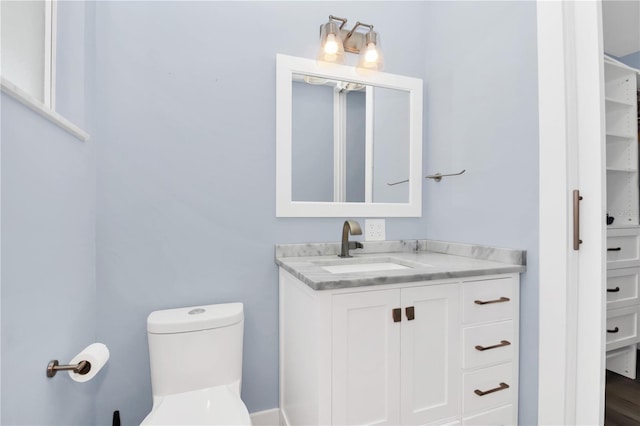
211	406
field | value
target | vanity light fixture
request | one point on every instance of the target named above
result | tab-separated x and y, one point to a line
335	40
331	45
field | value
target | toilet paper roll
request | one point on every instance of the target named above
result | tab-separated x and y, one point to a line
97	354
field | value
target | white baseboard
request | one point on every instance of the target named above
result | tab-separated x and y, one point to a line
266	418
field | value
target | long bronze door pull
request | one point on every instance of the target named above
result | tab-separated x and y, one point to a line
576	219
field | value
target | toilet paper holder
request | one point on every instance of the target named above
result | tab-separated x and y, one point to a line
82	368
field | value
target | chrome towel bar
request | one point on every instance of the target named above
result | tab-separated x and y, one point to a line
437	177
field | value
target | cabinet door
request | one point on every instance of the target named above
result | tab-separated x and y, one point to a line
366	359
430	354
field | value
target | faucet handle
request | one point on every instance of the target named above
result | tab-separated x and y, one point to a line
355	245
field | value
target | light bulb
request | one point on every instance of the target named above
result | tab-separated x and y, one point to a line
371	55
331	45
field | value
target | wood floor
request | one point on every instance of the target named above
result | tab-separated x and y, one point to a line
622	400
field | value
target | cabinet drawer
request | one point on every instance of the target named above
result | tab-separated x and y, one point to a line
623	361
622	287
622	327
623	248
495	382
498	416
487	344
490	300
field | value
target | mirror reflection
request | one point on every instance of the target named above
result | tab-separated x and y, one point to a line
350	141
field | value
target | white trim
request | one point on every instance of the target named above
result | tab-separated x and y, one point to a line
50	42
571	297
0	250
333	209
266	418
368	149
620	64
47	43
35	105
553	180
286	66
591	295
339	145
54	48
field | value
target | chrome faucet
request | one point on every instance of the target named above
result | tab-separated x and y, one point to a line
353	227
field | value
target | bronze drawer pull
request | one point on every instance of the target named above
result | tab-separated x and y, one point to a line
615	330
502	386
499	345
486	302
397	314
614	249
613	290
411	313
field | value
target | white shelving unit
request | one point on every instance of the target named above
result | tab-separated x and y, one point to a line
623	204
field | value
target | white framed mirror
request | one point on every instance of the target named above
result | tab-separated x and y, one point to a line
347	144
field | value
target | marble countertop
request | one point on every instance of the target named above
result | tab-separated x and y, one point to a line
426	260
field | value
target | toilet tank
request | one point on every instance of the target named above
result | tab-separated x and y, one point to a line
195	348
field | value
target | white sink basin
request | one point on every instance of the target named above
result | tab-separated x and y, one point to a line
363	267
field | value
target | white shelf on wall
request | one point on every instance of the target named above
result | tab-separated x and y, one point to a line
611	102
614	137
621	169
620	82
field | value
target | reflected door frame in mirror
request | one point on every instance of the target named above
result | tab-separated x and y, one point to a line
286	67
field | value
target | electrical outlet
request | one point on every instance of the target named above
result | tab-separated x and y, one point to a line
374	230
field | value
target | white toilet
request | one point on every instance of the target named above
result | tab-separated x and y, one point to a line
196	366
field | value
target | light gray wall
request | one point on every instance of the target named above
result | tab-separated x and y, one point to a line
312	135
481	115
390	145
311	142
632	59
186	170
48	247
355	146
183	119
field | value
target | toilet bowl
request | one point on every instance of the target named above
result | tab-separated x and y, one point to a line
195	356
213	406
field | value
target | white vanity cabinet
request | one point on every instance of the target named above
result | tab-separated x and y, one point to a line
402	368
432	352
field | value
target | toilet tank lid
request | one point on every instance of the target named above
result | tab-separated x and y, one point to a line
194	318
